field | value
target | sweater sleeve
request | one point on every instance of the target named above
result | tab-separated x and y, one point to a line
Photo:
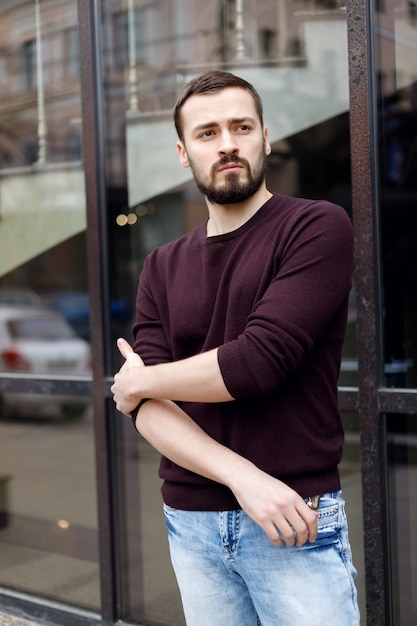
150	340
302	310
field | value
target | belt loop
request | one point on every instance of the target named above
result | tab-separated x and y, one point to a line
313	502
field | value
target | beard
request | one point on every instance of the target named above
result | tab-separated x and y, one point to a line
232	191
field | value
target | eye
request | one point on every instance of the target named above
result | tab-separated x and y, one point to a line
205	134
243	128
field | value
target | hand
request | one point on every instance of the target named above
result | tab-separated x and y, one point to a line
123	388
275	507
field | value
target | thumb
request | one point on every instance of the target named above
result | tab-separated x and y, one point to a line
124	347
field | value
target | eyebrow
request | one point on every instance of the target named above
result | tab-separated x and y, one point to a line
232	120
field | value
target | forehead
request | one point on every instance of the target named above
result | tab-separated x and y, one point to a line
218	107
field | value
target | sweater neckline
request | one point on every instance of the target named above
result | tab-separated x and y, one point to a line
258	216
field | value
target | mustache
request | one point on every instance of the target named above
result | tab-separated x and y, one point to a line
232	158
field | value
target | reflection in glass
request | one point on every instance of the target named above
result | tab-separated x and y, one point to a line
402	466
397	59
37	340
48	526
48	543
149	589
41	177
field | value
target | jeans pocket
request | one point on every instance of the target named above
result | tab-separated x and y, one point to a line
328	516
328	522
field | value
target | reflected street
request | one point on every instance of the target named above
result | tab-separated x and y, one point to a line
48	510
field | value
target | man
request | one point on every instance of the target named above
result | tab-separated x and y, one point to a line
240	325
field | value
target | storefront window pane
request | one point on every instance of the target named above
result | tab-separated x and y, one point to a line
296	56
397	91
48	526
402	463
397	63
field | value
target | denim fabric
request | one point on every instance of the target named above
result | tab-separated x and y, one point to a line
230	574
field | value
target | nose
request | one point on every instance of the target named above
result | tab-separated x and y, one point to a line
228	144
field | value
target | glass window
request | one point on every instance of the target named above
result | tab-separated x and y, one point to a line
297	58
396	48
402	465
397	62
48	525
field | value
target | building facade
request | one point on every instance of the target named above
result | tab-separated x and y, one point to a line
90	184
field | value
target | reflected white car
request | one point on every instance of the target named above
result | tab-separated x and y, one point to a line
36	340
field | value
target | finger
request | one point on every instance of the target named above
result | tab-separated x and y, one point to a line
297	528
115	385
287	532
298	520
301	532
312	527
273	534
124	347
310	519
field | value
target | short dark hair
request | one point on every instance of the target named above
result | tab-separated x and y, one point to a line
212	81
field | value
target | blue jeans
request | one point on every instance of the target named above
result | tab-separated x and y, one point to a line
230	574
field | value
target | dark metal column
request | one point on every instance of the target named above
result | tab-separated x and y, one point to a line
94	164
363	120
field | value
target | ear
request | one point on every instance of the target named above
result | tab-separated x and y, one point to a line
266	142
182	154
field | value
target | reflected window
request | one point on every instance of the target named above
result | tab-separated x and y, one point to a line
29	64
72	53
73	142
122	22
412	10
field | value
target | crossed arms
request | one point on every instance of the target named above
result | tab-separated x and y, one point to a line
274	506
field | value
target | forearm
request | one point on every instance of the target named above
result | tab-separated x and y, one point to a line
268	501
176	436
196	379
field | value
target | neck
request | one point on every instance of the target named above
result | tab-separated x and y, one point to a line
225	218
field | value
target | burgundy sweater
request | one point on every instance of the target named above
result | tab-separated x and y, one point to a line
272	296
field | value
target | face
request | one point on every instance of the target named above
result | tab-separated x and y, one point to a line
224	145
